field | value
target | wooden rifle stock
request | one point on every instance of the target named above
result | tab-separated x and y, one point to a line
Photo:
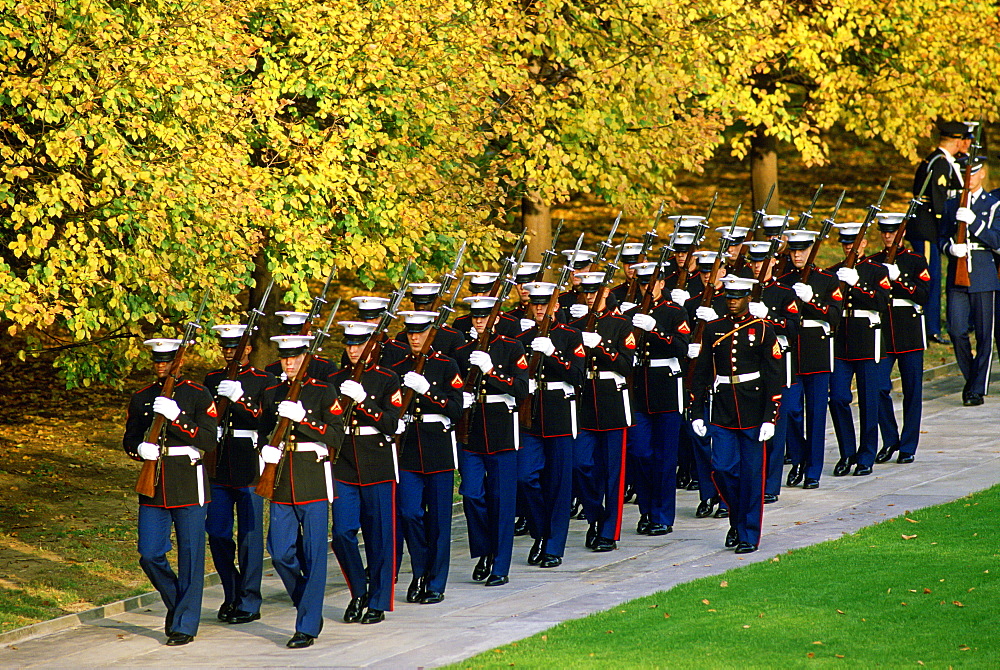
962	234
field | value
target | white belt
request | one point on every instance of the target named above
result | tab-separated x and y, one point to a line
361	430
607	374
567	388
873	317
505	398
816	323
315	447
904	302
671	363
736	379
190	452
429	418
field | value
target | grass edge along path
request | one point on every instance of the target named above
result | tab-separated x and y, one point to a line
919	589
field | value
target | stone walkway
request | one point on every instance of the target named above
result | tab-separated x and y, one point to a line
959	454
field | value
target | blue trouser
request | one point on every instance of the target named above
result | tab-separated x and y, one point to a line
911	376
241	585
370	509
425	515
652	443
608	449
861	449
530	499
181	592
968	312
488	490
296	540
555	487
738	469
787	437
584	479
701	448
815	397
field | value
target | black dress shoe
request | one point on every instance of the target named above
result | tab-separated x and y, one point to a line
843	467
721	513
591	536
300	641
482	569
795	474
973	400
168	622
355	609
431	598
745	548
682	480
535	554
520	526
693	485
811	483
225	612
373	616
862	471
770	498
575	508
885	454
239	616
705	508
642	528
603	544
657	529
178	639
731	538
497	580
550	561
904	458
415	590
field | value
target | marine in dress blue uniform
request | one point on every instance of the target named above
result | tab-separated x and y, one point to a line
181	491
422	297
631	255
291	324
237	466
481	284
581	261
370	310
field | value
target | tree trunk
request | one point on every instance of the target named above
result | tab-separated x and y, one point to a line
264	350
764	169
536	216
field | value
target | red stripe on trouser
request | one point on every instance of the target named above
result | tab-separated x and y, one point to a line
620	498
763	487
395	570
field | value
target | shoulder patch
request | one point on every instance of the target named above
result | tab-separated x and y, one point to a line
684	328
336	408
885	283
793	307
396	399
457	382
522	363
212	411
630	341
925	275
837	295
776	350
580	351
942	181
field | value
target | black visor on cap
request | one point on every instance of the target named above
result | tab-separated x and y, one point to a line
163	356
418	327
292	352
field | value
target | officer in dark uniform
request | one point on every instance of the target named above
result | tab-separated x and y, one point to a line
741	360
428	459
487	461
370	310
973	307
545	459
581	261
291	324
605	415
671	272
926	228
525	274
181	488
905	343
422	297
631	254
819	302
481	284
366	473
859	345
657	391
237	466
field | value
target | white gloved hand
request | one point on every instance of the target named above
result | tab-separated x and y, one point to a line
706	314
353	390
270	454
148	451
167	407
230	388
804	292
578	311
626	306
473	333
467	399
400	427
766	432
699	427
965	215
693	350
543	345
644	321
893	271
293	411
591	340
527	324
481	360
532	386
679	296
848	275
958	250
218	433
758	309
417	382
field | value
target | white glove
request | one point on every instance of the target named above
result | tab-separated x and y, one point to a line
893	271
699	427
706	314
591	340
543	345
532	386
644	321
293	411
218	433
167	407
679	296
353	390
148	451
527	324
400	427
417	382
766	432
467	399
693	350
965	215
230	388
804	292
481	360
848	276
270	454
958	250
473	333
758	309
578	311
625	306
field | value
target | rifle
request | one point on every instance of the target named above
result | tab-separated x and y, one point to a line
758	288
646	306
525	413
149	476
804	218
911	211
510	264
758	217
683	272
447	279
824	232
852	255
961	235
317	304
549	253
233	371
279	436
647	241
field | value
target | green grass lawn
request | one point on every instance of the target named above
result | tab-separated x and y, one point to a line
918	590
